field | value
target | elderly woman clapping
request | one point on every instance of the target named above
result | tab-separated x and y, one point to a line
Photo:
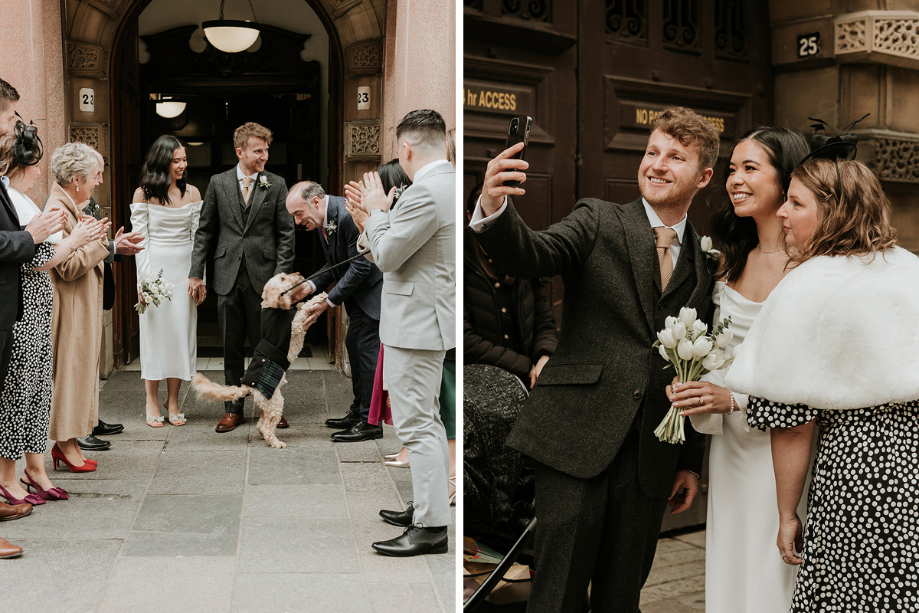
76	320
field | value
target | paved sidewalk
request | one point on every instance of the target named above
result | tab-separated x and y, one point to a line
185	519
677	580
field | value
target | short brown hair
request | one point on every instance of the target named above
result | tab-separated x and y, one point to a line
8	94
855	213
690	128
425	126
242	133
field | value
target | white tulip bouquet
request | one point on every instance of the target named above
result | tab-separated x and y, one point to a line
687	346
153	290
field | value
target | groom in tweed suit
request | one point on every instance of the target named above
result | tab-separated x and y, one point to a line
245	228
602	477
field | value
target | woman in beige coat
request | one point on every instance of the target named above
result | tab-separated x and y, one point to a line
76	319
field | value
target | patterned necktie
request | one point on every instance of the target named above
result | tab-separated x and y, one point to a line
665	236
247	182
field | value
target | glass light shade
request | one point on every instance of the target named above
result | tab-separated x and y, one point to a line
230	36
170	109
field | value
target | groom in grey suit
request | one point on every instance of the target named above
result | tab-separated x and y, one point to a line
245	228
414	244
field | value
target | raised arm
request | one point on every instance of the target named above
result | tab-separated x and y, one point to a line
396	236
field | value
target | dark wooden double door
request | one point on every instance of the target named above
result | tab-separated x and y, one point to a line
592	75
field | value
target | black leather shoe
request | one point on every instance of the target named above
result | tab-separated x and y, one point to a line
361	431
399	518
414	541
344	423
104	429
91	443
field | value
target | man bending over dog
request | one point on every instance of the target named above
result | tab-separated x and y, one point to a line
359	287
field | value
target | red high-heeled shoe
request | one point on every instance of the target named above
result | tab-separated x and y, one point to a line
58	456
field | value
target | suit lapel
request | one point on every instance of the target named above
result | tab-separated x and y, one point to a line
642	253
8	204
232	195
256	198
332	215
701	266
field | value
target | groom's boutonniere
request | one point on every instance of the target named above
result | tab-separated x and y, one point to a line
263	182
331	227
711	254
92	209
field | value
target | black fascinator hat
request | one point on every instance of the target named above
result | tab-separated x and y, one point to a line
834	148
27	148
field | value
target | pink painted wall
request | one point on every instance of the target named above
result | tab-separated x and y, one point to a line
420	67
32	61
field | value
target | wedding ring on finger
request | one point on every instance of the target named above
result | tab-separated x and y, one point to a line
700	400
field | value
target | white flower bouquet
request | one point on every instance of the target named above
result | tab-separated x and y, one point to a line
692	352
153	290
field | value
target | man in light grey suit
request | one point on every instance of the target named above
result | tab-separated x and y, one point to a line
245	227
414	245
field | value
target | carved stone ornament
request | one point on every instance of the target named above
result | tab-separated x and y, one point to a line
362	139
893	35
340	7
897	159
84	58
88	136
365	58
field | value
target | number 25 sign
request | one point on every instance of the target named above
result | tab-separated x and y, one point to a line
809	45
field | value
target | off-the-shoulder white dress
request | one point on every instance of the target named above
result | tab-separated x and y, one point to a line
168	332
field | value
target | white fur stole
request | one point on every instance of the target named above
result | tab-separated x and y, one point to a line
836	333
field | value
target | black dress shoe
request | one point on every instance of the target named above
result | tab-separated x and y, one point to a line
91	443
104	429
414	541
344	423
361	431
399	518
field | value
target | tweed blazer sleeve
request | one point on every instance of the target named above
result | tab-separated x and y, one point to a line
284	226
208	227
527	254
545	334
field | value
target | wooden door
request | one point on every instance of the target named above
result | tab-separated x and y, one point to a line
637	57
127	159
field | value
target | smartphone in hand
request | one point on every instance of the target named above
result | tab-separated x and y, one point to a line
518	132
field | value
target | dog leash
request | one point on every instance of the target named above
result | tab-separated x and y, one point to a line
324	270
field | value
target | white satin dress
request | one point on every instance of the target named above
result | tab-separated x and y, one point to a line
168	332
744	571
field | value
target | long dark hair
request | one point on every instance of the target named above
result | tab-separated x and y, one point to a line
392	175
154	177
737	235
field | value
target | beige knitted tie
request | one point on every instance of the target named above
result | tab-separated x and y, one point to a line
247	182
665	236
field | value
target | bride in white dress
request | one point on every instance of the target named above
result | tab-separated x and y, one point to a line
743	572
166	212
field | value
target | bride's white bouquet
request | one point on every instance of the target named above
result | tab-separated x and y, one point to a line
153	290
692	352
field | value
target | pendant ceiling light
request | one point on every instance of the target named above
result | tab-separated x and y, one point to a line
231	36
170	108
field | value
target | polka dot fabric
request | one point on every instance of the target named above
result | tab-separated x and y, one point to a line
861	537
25	403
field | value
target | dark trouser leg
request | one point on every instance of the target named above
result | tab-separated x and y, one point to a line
238	314
363	343
629	539
602	529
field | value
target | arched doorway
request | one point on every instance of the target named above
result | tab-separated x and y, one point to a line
103	56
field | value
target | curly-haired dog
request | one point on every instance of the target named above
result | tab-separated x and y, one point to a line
270	408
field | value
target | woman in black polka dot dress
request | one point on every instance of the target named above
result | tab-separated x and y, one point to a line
25	403
835	351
